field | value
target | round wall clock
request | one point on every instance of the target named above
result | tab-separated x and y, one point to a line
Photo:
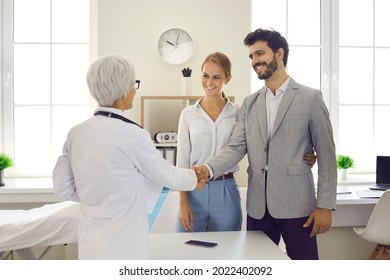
175	46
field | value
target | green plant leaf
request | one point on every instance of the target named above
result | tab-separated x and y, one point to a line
344	162
5	161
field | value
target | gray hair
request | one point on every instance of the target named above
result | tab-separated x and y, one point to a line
110	78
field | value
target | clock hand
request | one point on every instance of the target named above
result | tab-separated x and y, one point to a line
166	41
177	39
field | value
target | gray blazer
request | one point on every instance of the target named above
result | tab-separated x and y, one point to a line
302	123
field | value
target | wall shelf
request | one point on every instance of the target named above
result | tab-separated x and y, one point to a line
144	99
180	105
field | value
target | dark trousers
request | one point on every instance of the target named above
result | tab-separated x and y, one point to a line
299	245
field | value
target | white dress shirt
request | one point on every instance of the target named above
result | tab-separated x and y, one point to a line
200	138
272	104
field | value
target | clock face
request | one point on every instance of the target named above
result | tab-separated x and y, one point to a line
175	46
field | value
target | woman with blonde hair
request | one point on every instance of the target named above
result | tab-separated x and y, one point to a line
204	128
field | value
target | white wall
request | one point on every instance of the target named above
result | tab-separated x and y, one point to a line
132	28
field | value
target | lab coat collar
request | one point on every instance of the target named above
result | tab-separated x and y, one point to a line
111	109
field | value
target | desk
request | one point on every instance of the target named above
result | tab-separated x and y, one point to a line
351	210
232	245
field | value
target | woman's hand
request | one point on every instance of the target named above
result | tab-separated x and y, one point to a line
310	158
186	216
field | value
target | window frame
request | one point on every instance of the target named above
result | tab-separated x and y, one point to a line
7	90
7	77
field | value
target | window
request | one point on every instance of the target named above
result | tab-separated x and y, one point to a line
345	54
364	97
305	51
45	58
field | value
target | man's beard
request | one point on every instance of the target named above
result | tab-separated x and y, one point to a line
271	68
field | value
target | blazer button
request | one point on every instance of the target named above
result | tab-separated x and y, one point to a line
262	170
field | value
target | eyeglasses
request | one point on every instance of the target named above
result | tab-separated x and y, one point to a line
136	84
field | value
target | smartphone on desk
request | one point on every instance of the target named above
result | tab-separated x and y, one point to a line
201	243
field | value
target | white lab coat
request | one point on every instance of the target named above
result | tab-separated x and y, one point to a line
105	166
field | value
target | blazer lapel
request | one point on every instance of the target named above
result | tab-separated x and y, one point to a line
262	114
288	97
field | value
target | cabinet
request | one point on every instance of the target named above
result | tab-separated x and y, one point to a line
168	151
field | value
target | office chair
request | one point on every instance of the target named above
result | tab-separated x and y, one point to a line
377	229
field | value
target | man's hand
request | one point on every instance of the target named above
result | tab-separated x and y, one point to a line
201	177
322	219
310	158
202	172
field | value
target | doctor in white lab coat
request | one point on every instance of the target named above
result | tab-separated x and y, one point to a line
106	165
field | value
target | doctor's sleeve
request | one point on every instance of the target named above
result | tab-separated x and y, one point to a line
63	178
149	162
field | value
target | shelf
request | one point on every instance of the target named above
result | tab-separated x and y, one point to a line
185	103
165	144
161	98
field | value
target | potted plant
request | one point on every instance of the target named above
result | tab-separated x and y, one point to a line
5	162
343	164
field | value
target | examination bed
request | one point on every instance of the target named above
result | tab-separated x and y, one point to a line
51	224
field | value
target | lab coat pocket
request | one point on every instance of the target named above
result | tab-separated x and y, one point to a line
96	212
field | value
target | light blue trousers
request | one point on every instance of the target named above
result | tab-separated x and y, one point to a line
215	208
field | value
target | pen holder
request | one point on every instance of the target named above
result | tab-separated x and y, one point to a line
185	86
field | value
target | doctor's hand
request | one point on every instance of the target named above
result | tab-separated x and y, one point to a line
186	216
202	172
310	158
200	177
322	219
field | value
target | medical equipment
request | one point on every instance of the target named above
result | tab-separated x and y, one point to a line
51	224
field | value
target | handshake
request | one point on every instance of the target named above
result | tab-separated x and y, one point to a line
202	174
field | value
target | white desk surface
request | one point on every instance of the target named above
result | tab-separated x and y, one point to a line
352	197
232	245
351	210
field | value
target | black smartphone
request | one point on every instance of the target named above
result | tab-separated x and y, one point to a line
201	243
